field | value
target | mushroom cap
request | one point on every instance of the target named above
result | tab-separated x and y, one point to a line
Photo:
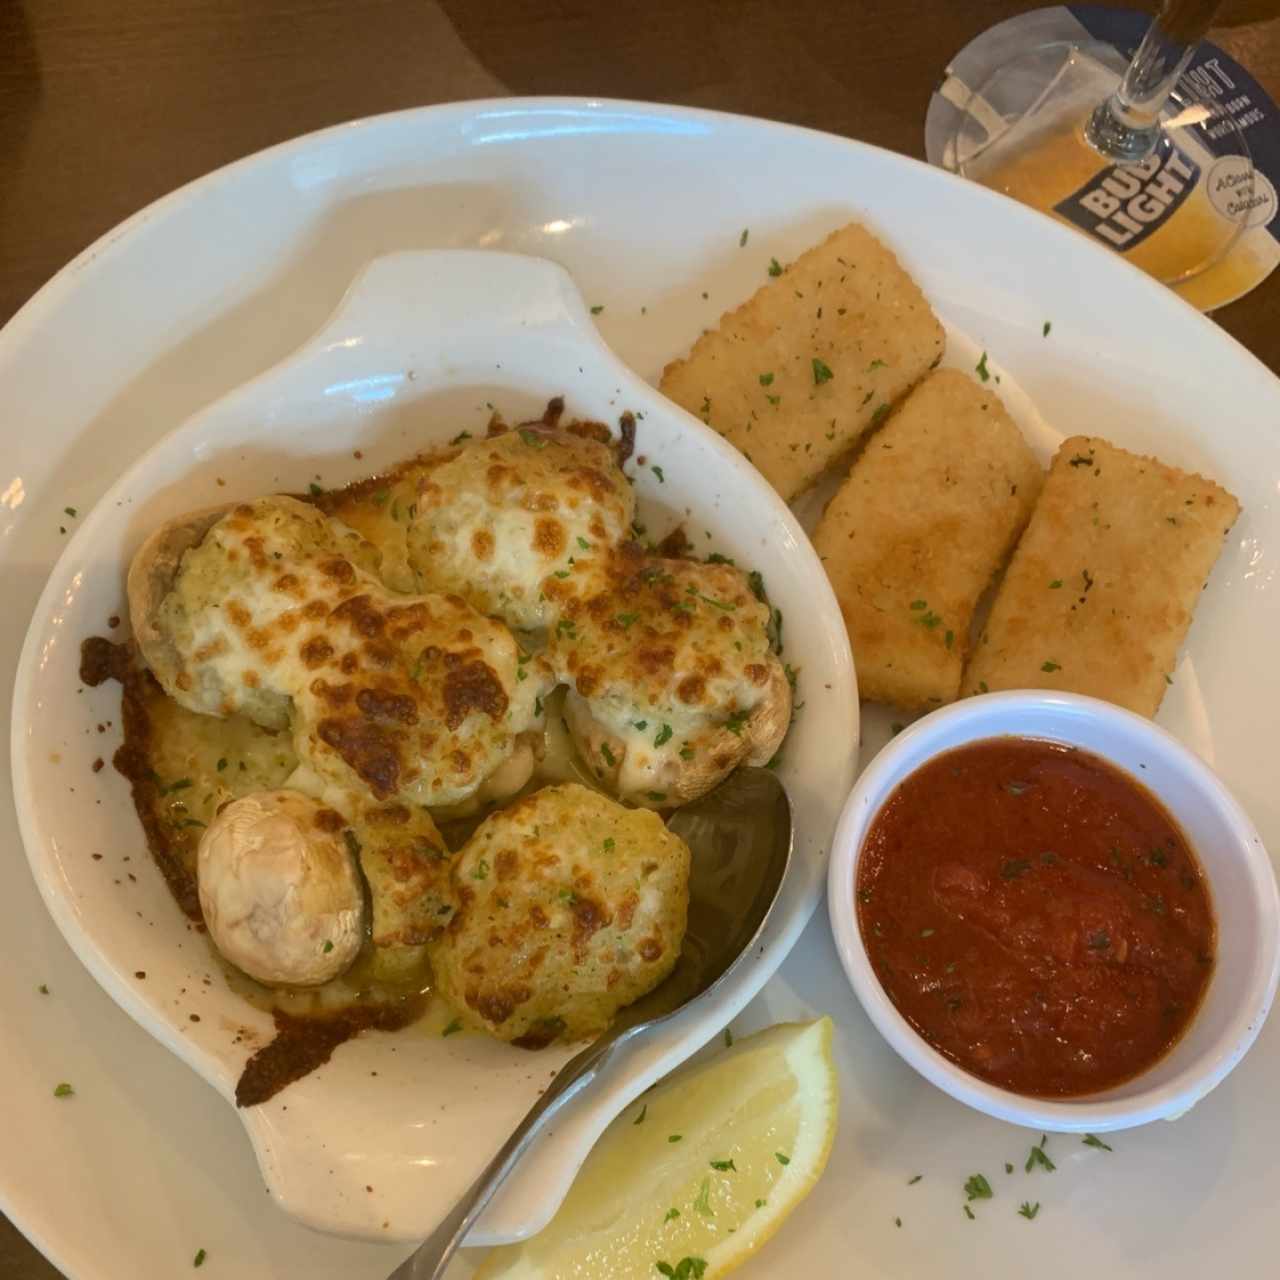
280	891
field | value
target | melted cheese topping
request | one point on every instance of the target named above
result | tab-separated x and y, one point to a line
672	673
411	699
492	519
569	907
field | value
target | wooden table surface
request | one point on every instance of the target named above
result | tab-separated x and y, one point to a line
105	106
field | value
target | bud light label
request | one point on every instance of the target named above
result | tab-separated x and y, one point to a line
1123	205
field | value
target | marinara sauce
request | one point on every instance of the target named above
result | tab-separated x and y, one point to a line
1036	915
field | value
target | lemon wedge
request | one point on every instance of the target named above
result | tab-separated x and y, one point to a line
695	1176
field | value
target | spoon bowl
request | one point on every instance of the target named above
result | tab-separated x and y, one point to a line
740	836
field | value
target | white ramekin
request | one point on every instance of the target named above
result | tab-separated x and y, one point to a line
1242	884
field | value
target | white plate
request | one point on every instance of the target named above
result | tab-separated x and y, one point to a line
645	206
423	346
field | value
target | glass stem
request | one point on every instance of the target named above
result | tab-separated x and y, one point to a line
1126	127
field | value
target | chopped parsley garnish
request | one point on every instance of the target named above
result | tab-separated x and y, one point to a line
735	722
716	558
583	543
715	604
1044	332
981	368
537	706
222	764
968	1213
675	1137
567	627
381	498
1008	1168
460	437
781	1158
685	1269
64	1090
755	580
759	1204
703	1203
1029	1210
328	946
609	758
671	1214
657	796
766	379
919	604
1050	665
982	687
562	573
482	870
1038	1159
775	267
198	1260
453	1028
71	511
724	1166
1055	584
597	309
911	1182
657	471
642	725
950	638
644	1111
742	239
821	372
43	988
181	785
773	400
1090	1140
686	752
881	413
531	438
978	1188
608	844
664	735
929	620
316	490
728	1038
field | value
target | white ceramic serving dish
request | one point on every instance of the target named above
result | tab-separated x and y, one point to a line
645	206
424	345
1241	880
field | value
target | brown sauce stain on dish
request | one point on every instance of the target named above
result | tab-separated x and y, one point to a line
302	1044
101	660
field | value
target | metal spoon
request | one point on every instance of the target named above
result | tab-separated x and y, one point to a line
740	835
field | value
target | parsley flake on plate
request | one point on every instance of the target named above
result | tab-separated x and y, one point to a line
821	372
1029	1210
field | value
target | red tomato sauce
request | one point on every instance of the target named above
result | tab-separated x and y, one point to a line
1036	915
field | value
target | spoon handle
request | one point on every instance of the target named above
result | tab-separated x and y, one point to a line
430	1259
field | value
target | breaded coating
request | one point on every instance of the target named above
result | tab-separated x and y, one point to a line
798	373
1103	585
673	680
569	906
916	533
